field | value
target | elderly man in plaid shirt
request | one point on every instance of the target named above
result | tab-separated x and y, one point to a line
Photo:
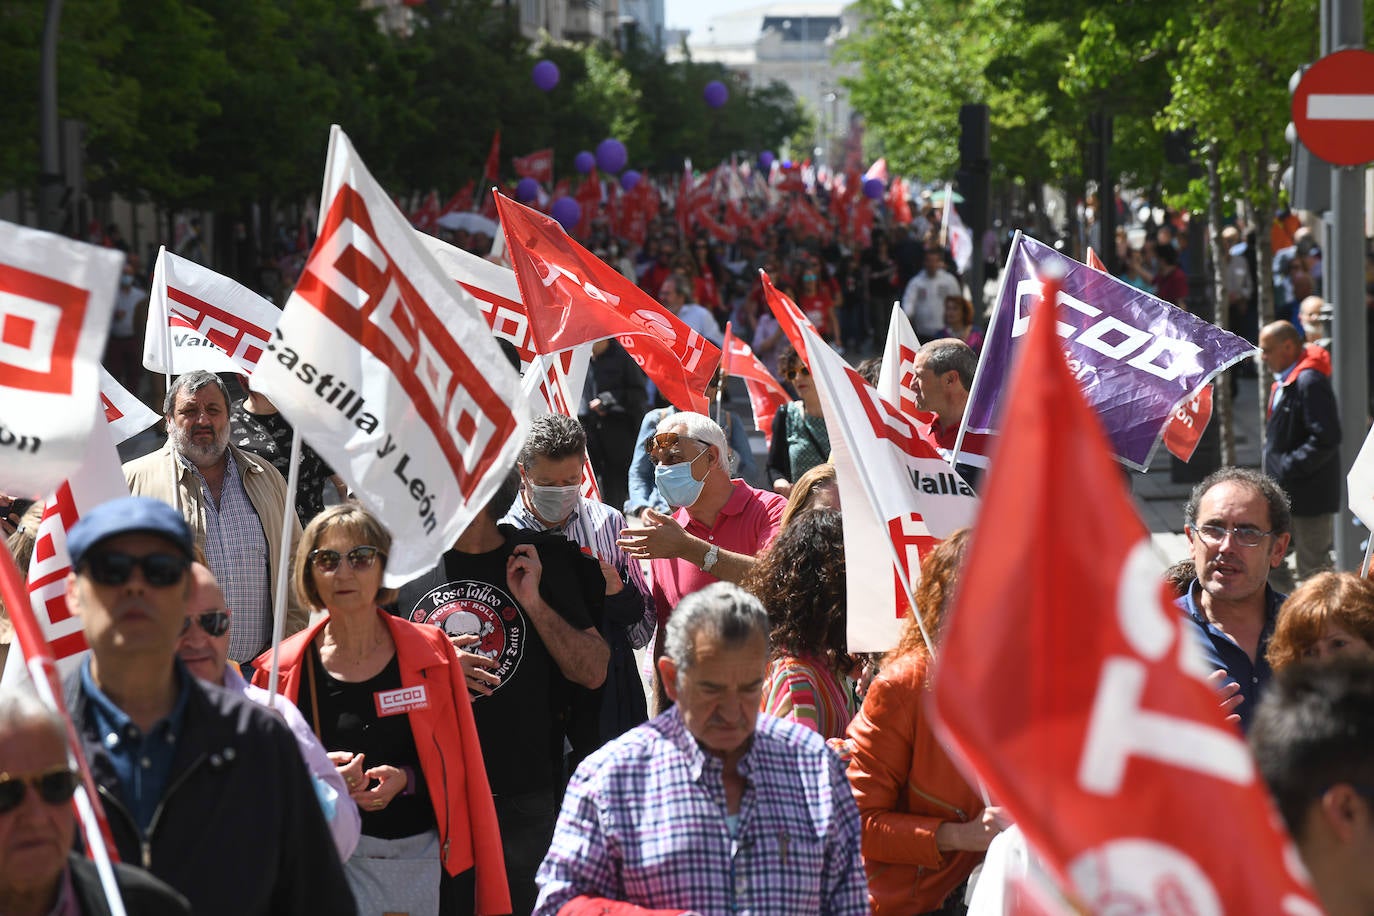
712	807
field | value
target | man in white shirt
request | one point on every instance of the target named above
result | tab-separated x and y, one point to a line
675	295
924	299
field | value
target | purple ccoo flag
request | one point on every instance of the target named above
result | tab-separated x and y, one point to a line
1135	356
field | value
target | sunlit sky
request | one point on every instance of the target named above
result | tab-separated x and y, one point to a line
694	14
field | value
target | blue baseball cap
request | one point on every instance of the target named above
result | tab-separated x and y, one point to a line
130	515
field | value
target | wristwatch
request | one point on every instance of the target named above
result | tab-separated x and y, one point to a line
712	555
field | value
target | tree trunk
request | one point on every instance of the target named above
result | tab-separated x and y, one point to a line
1222	389
1254	173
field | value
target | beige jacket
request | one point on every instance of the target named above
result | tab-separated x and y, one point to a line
151	476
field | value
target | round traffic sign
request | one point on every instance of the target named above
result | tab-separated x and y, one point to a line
1333	108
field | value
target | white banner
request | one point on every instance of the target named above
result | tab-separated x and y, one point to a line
388	370
1360	483
894	378
209	321
125	414
56	300
494	288
899	496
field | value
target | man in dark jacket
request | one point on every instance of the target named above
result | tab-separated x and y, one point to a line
202	788
1302	436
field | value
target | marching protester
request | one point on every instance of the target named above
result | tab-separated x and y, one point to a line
800	440
816	489
256	426
389	701
204	789
203	647
923	300
1331	615
711	807
233	501
924	827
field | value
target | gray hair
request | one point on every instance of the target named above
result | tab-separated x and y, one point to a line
19	705
680	284
951	353
699	427
191	382
1280	514
722	609
554	437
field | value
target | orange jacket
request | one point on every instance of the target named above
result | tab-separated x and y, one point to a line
446	741
906	787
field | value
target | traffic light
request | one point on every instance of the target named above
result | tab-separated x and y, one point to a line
1307	178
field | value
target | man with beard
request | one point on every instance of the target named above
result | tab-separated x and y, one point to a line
233	501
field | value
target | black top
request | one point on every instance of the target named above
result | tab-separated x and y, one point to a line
269	437
349	722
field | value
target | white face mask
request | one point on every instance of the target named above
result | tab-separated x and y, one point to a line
552	504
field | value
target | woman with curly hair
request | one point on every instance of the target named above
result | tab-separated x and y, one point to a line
924	827
1331	615
800	580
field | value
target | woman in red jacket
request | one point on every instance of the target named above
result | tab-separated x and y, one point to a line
924	827
388	700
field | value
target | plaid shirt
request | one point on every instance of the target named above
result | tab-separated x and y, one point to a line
236	547
644	821
595	527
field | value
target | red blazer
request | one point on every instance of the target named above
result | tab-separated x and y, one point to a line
446	740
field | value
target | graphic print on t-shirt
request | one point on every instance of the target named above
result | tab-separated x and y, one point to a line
471	608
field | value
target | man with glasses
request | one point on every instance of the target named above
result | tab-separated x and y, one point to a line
202	788
1237	521
39	872
203	648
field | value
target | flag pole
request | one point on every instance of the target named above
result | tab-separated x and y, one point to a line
992	322
1368	551
43	671
283	549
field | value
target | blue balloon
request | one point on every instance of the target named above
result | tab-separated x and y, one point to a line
611	155
527	190
584	162
766	159
874	188
629	179
567	211
715	94
545	75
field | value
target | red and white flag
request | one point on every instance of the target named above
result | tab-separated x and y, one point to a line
900	497
896	378
125	414
210	321
494	288
56	299
537	165
1074	690
766	394
387	369
958	234
573	297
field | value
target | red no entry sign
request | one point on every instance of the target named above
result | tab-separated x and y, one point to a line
1333	108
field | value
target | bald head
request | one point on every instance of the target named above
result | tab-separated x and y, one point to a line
204	653
1280	345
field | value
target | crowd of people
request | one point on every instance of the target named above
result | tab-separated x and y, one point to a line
640	704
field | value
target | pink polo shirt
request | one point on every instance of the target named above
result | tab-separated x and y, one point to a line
746	524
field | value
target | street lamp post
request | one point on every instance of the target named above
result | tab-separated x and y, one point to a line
49	169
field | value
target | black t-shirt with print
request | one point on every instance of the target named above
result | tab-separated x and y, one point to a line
268	436
520	724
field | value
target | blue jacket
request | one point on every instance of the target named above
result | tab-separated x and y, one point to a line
1302	436
1221	652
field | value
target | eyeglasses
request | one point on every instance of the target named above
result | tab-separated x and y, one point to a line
663	446
361	557
214	623
159	569
55	786
1244	535
793	374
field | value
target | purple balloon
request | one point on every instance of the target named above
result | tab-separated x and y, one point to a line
527	190
629	179
611	155
787	163
545	75
766	159
716	94
567	211
874	188
584	162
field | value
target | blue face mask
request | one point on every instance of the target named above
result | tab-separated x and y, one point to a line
676	483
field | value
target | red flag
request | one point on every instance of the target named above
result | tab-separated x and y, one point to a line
1095	262
766	395
492	172
537	165
460	202
427	215
573	297
1072	687
790	316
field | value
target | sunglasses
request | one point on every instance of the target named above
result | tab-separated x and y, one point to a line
214	623
361	557
159	569
794	374
665	445
55	786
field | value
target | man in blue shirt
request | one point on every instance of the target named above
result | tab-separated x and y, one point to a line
1237	521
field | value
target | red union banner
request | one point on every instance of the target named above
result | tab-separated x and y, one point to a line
386	367
494	288
1073	688
537	165
56	298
